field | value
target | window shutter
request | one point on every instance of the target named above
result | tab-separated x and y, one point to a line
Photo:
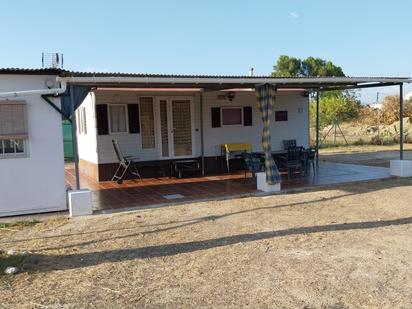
102	119
247	116
13	119
134	121
215	117
148	129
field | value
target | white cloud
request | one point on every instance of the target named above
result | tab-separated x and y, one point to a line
294	15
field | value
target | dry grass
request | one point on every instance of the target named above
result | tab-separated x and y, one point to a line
365	155
343	247
364	148
358	133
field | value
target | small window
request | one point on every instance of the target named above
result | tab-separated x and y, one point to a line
232	116
12	147
281	115
82	121
117	118
13	128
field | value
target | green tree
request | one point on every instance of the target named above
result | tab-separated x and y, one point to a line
318	67
335	107
287	66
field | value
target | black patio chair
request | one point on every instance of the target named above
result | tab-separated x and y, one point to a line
293	160
289	143
125	163
254	163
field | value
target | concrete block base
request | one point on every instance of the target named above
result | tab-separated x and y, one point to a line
401	168
262	185
80	202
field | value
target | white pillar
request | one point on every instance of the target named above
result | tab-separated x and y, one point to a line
262	185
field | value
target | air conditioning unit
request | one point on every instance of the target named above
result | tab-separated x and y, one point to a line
52	60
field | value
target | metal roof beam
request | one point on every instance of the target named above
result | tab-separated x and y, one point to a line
374	85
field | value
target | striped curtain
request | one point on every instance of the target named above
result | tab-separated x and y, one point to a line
266	95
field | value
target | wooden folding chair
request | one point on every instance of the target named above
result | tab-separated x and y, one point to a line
125	163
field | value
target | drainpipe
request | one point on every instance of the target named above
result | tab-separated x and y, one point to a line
44	93
55	91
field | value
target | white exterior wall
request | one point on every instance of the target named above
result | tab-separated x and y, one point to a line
87	143
297	126
131	144
36	182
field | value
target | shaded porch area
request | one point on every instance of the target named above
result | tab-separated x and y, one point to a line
109	195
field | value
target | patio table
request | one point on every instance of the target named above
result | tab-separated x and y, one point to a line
185	165
279	153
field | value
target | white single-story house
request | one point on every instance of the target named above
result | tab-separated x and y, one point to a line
31	149
157	118
166	124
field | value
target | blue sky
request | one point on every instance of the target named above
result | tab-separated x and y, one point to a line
366	38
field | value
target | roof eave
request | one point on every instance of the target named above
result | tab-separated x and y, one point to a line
320	83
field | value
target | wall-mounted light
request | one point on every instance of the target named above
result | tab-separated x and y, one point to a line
230	95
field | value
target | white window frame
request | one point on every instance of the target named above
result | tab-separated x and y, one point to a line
231	107
109	112
14	155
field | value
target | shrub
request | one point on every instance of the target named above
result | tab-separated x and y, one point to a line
359	142
390	109
369	116
397	138
376	140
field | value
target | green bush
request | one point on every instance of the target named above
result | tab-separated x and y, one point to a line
335	107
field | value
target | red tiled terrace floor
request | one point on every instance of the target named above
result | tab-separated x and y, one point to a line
152	191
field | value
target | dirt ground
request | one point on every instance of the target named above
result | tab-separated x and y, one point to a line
365	154
339	247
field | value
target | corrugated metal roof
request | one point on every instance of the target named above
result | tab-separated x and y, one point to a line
67	73
31	71
224	76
